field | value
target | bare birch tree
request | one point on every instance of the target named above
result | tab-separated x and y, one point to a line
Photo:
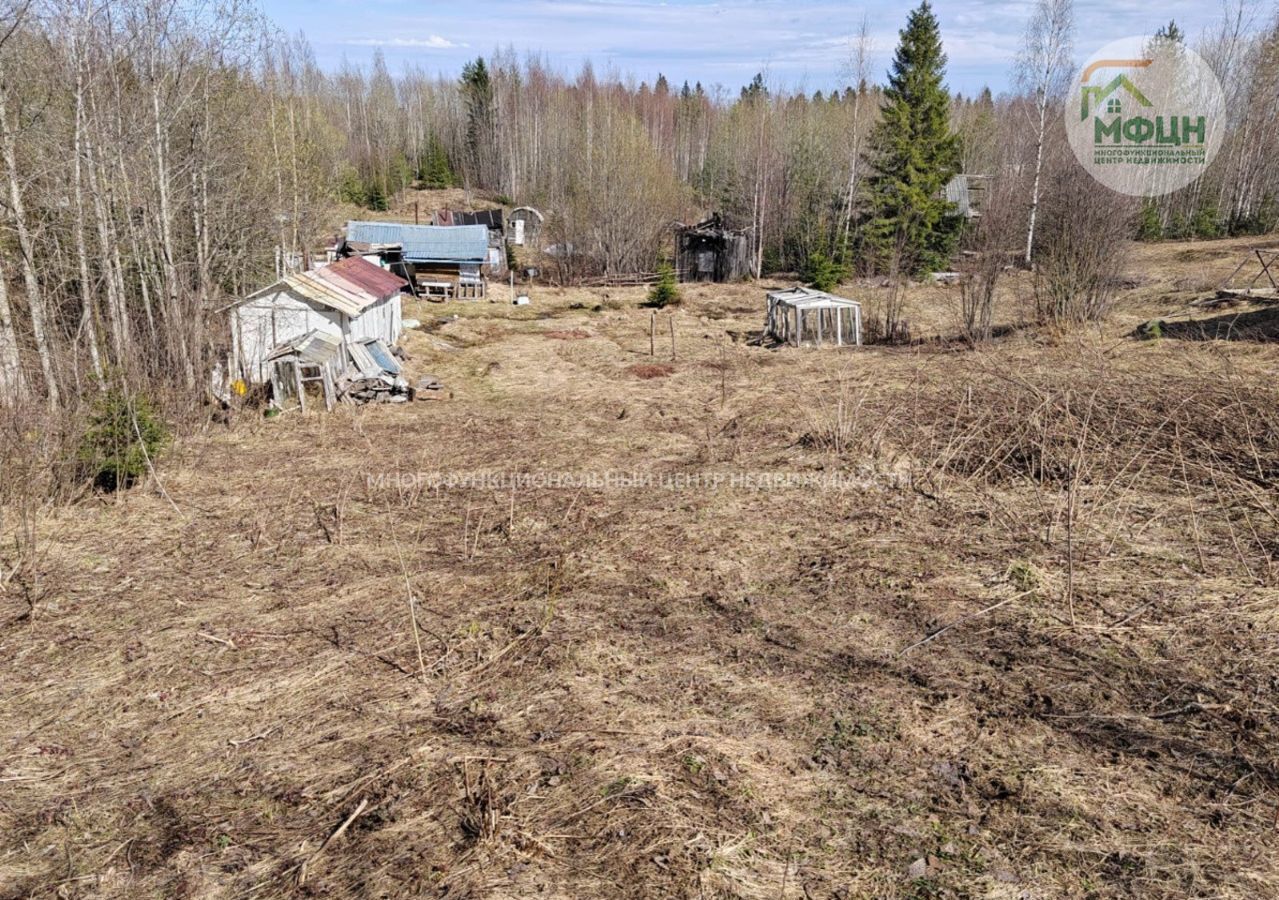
1042	69
857	73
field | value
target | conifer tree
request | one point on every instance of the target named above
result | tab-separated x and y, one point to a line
913	155
435	170
477	93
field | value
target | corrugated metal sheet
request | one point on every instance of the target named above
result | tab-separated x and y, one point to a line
334	295
526	212
957	192
350	286
365	276
424	243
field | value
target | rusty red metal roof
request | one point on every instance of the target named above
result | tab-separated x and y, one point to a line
364	276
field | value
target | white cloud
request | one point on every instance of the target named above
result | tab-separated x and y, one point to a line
434	42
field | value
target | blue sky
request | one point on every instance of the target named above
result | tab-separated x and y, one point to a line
799	43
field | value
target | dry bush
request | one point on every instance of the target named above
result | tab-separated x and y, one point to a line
987	251
845	421
1081	248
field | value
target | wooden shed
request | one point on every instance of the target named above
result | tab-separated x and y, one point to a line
708	251
803	316
441	261
351	300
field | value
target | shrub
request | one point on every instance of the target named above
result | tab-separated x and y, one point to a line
1207	221
666	291
1149	225
1083	242
823	273
124	433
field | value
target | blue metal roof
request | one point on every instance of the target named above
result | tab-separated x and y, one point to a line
426	243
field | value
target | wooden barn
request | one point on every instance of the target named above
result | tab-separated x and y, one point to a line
440	262
317	316
708	251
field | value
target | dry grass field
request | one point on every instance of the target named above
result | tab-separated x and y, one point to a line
913	622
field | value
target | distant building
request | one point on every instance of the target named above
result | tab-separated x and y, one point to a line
708	251
968	194
524	227
319	315
438	261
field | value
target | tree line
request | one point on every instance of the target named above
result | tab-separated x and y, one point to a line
159	158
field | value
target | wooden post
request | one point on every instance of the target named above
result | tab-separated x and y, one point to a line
1265	269
723	375
416	220
652	332
326	379
297	382
671	320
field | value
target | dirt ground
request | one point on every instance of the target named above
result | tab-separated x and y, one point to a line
911	622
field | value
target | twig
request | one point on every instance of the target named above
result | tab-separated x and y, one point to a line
215	639
940	631
142	445
249	740
341	830
408	587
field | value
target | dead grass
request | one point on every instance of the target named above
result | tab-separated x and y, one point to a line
646	371
680	690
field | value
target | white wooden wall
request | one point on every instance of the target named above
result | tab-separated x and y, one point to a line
260	325
263	323
384	321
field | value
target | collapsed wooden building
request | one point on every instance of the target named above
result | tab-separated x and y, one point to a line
967	194
708	251
439	262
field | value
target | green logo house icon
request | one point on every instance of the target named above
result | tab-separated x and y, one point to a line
1145	119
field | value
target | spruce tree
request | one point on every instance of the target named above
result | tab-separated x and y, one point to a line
666	291
477	94
913	155
436	171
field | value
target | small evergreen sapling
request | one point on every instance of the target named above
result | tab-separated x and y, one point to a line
822	272
124	434
665	292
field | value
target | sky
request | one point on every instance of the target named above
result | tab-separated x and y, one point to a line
797	43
